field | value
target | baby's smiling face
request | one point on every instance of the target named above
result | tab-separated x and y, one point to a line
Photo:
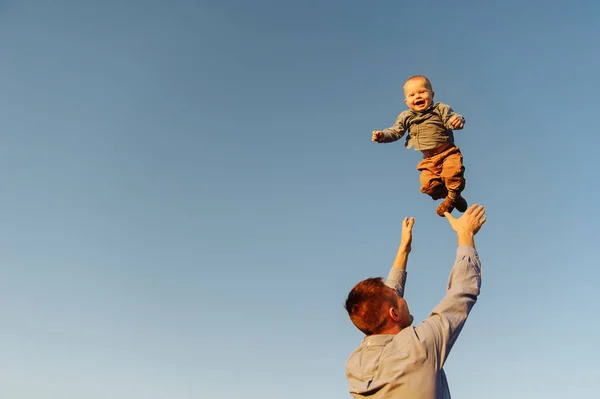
417	95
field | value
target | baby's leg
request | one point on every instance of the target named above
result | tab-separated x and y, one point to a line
453	172
431	180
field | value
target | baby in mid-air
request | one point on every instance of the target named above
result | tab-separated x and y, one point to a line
430	127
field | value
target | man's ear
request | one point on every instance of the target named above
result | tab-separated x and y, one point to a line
393	313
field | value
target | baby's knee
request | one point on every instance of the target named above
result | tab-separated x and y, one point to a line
435	189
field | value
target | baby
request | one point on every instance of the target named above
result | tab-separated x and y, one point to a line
430	127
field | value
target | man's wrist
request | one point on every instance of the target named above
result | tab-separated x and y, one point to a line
466	238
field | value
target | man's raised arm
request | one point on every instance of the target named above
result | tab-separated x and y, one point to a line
446	321
397	276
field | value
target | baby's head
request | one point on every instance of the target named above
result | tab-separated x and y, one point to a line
418	94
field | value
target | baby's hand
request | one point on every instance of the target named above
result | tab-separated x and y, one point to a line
456	122
377	136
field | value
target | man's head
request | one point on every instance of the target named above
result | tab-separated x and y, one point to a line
418	93
375	308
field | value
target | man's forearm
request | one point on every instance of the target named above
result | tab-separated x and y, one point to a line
401	259
447	319
397	276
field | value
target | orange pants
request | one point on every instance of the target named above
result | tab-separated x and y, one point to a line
442	173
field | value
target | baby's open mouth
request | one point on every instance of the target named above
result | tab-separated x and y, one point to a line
420	102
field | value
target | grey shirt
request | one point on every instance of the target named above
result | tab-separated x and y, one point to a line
427	130
409	364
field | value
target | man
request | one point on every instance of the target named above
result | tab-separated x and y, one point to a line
396	360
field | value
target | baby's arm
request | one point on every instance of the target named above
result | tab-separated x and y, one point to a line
451	119
392	133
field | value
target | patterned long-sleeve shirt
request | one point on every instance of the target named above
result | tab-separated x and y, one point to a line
426	130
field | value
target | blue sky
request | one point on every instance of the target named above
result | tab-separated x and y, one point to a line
189	191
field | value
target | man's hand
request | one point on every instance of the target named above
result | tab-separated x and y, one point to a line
406	238
377	136
456	122
468	224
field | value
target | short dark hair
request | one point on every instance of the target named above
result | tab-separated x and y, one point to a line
367	305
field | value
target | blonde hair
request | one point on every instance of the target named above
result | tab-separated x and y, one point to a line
420	77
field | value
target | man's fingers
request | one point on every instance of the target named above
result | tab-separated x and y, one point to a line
475	208
472	208
478	212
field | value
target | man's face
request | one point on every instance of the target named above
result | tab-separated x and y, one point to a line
417	96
